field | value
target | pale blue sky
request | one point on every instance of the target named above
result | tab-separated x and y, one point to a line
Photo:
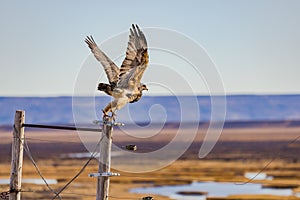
255	44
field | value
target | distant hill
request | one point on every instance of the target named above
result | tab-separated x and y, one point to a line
59	110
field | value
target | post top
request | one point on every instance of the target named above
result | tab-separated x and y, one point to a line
108	174
109	123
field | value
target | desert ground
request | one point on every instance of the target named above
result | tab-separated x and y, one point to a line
239	149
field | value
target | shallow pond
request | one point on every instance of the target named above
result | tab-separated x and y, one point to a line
257	176
88	154
36	181
212	189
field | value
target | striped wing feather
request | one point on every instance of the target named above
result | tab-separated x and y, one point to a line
111	69
136	59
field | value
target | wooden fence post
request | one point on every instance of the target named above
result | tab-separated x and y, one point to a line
17	156
105	159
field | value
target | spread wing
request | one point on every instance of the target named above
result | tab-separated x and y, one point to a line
111	69
136	59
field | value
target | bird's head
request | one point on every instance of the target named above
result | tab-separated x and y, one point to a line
143	87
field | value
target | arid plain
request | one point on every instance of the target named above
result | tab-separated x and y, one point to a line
241	148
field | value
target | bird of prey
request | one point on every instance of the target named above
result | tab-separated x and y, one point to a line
124	82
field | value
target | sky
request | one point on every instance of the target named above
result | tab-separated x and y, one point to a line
254	44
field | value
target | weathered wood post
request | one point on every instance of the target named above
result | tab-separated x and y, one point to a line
17	156
105	159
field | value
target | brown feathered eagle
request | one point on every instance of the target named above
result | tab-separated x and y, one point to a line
124	82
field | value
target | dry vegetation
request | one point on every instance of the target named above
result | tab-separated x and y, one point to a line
238	151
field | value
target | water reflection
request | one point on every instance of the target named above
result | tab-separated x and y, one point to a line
36	181
88	154
257	176
213	189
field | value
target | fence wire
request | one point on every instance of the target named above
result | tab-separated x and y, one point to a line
83	167
24	143
5	195
276	155
28	153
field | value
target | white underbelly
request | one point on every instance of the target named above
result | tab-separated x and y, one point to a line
121	102
121	93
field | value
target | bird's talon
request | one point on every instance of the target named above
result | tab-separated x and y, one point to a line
104	114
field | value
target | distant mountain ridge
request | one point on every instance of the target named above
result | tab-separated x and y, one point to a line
59	110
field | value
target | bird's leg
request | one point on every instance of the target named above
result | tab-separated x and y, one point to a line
111	107
113	115
104	113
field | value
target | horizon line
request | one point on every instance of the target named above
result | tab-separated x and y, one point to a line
155	95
